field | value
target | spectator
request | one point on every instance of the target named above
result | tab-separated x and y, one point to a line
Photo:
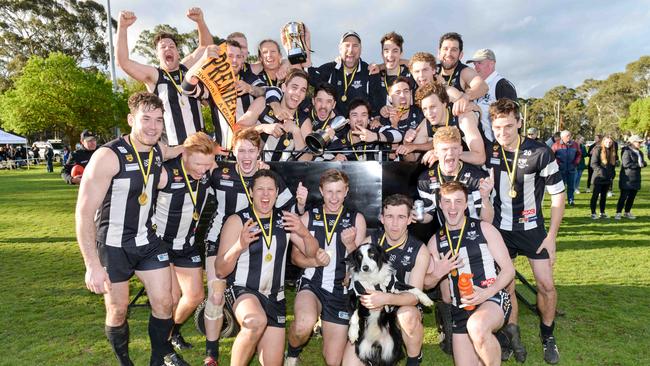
603	162
532	134
49	158
3	153
581	165
568	154
629	181
35	152
590	170
66	154
499	87
647	146
81	156
610	190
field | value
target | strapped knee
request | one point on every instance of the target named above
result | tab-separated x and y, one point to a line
214	311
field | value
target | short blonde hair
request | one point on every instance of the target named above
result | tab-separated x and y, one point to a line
200	143
446	134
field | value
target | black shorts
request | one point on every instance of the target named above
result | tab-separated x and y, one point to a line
275	310
211	248
459	316
334	308
122	262
525	242
187	257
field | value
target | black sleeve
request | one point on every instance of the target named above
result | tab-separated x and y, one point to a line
376	94
320	74
505	89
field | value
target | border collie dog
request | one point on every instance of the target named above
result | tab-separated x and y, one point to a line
375	333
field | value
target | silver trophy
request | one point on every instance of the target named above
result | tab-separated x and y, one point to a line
294	33
318	140
418	207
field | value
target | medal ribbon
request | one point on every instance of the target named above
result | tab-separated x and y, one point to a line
329	233
313	118
248	195
346	85
512	172
354	150
269	237
193	195
460	167
399	72
383	237
145	176
269	79
178	88
460	237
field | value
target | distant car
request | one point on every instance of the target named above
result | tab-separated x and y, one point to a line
55	144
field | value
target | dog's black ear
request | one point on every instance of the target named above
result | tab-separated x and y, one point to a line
352	260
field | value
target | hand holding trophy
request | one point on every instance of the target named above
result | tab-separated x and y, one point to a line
293	40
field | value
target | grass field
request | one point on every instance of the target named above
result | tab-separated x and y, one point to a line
48	317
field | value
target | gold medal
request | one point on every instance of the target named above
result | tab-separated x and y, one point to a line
512	193
286	142
344	98
195	216
142	199
454	273
268	257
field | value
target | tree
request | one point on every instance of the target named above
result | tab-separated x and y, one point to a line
39	27
638	120
187	42
55	93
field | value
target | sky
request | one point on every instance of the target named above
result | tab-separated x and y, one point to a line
538	45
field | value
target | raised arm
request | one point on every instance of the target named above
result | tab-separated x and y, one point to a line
140	72
97	178
205	38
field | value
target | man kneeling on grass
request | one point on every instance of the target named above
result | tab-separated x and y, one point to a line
252	259
469	247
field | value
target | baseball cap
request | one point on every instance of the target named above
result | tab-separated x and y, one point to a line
532	131
87	135
483	54
635	138
350	33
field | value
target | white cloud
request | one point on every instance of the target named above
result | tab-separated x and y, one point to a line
538	45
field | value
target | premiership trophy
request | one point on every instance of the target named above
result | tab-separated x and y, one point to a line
294	33
317	141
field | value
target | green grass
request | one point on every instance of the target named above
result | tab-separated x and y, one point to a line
48	317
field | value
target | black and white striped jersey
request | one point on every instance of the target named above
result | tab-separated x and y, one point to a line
536	169
261	267
182	113
475	255
278	148
173	219
430	180
402	259
121	220
230	197
330	278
